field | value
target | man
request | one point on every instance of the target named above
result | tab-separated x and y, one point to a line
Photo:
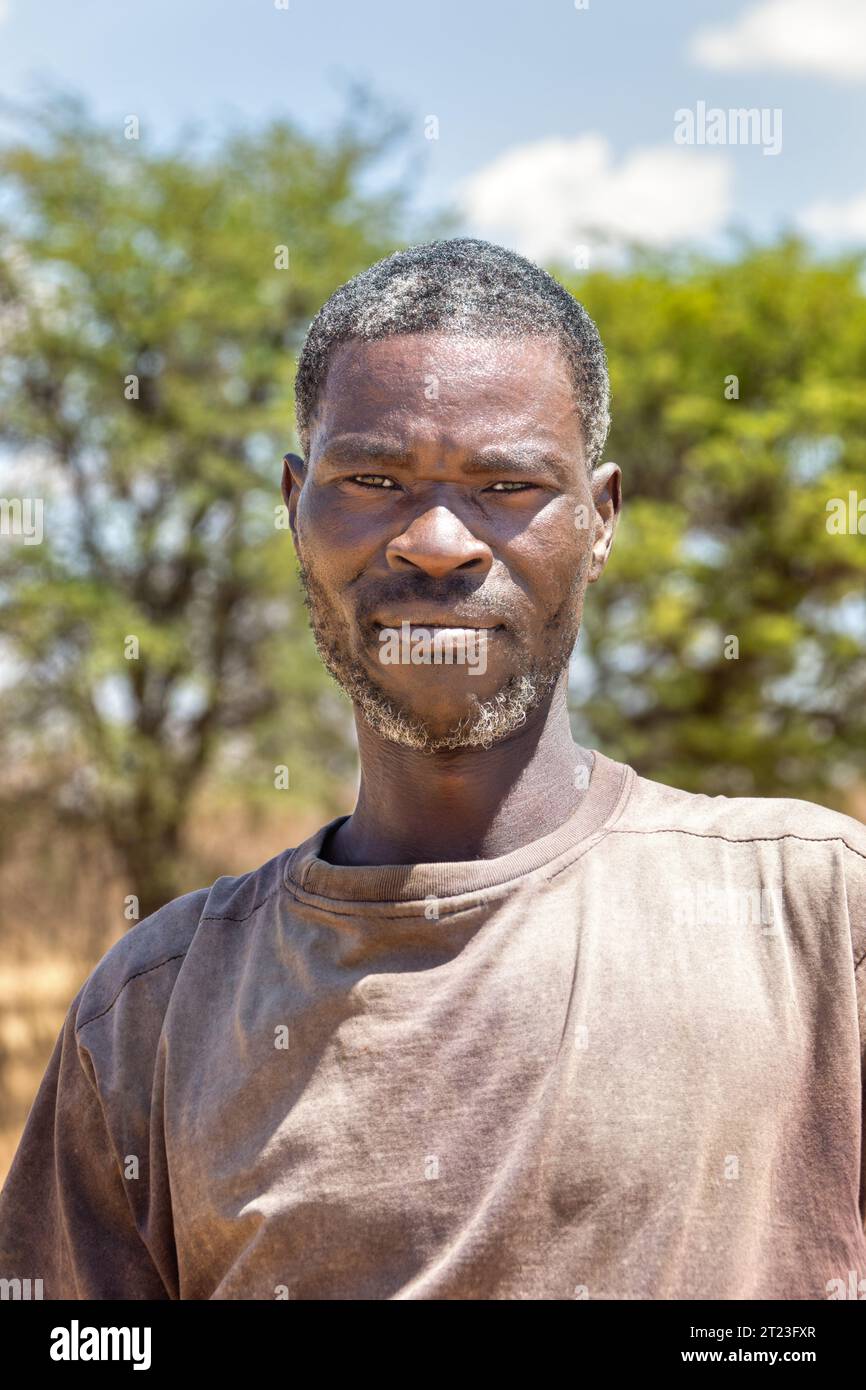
525	1024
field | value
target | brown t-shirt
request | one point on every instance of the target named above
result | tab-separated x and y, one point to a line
625	1061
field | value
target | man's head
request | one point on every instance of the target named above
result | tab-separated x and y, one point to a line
452	405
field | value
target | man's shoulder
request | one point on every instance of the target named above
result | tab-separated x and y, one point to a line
657	806
817	853
150	955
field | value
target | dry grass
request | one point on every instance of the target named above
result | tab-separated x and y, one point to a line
34	997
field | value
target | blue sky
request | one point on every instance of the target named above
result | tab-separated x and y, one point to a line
555	124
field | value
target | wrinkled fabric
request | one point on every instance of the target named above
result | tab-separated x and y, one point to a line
623	1062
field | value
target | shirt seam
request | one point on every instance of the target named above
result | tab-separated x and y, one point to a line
224	916
126	982
744	839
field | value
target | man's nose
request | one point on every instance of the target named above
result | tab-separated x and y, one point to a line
438	543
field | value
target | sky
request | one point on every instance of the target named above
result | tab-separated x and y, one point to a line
558	128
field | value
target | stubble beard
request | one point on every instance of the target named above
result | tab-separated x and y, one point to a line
487	721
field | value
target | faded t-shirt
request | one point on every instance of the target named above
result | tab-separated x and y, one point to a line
625	1061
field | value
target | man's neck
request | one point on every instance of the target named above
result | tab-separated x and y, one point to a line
475	803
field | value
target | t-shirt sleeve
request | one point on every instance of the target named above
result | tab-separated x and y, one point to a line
65	1217
855	890
860	980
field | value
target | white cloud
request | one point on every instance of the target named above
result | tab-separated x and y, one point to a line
546	198
798	35
836	222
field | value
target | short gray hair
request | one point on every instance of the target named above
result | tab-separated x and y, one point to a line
460	285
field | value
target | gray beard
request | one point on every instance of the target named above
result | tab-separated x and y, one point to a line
487	721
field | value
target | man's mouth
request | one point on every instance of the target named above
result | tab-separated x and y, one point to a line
433	642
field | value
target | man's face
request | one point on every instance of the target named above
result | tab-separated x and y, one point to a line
446	531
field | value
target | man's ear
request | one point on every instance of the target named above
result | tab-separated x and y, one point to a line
607	498
294	473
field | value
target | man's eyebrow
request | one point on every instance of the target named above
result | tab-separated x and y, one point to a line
520	459
351	451
517	460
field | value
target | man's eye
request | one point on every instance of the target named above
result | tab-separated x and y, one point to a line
509	487
372	480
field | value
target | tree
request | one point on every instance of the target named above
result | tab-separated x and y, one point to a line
150	306
739	421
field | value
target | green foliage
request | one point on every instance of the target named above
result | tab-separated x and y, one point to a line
724	530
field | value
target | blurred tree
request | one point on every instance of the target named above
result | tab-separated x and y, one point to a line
150	307
739	414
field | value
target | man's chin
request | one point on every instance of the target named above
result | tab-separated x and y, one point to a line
475	721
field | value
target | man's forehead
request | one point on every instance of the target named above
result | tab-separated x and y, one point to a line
419	386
